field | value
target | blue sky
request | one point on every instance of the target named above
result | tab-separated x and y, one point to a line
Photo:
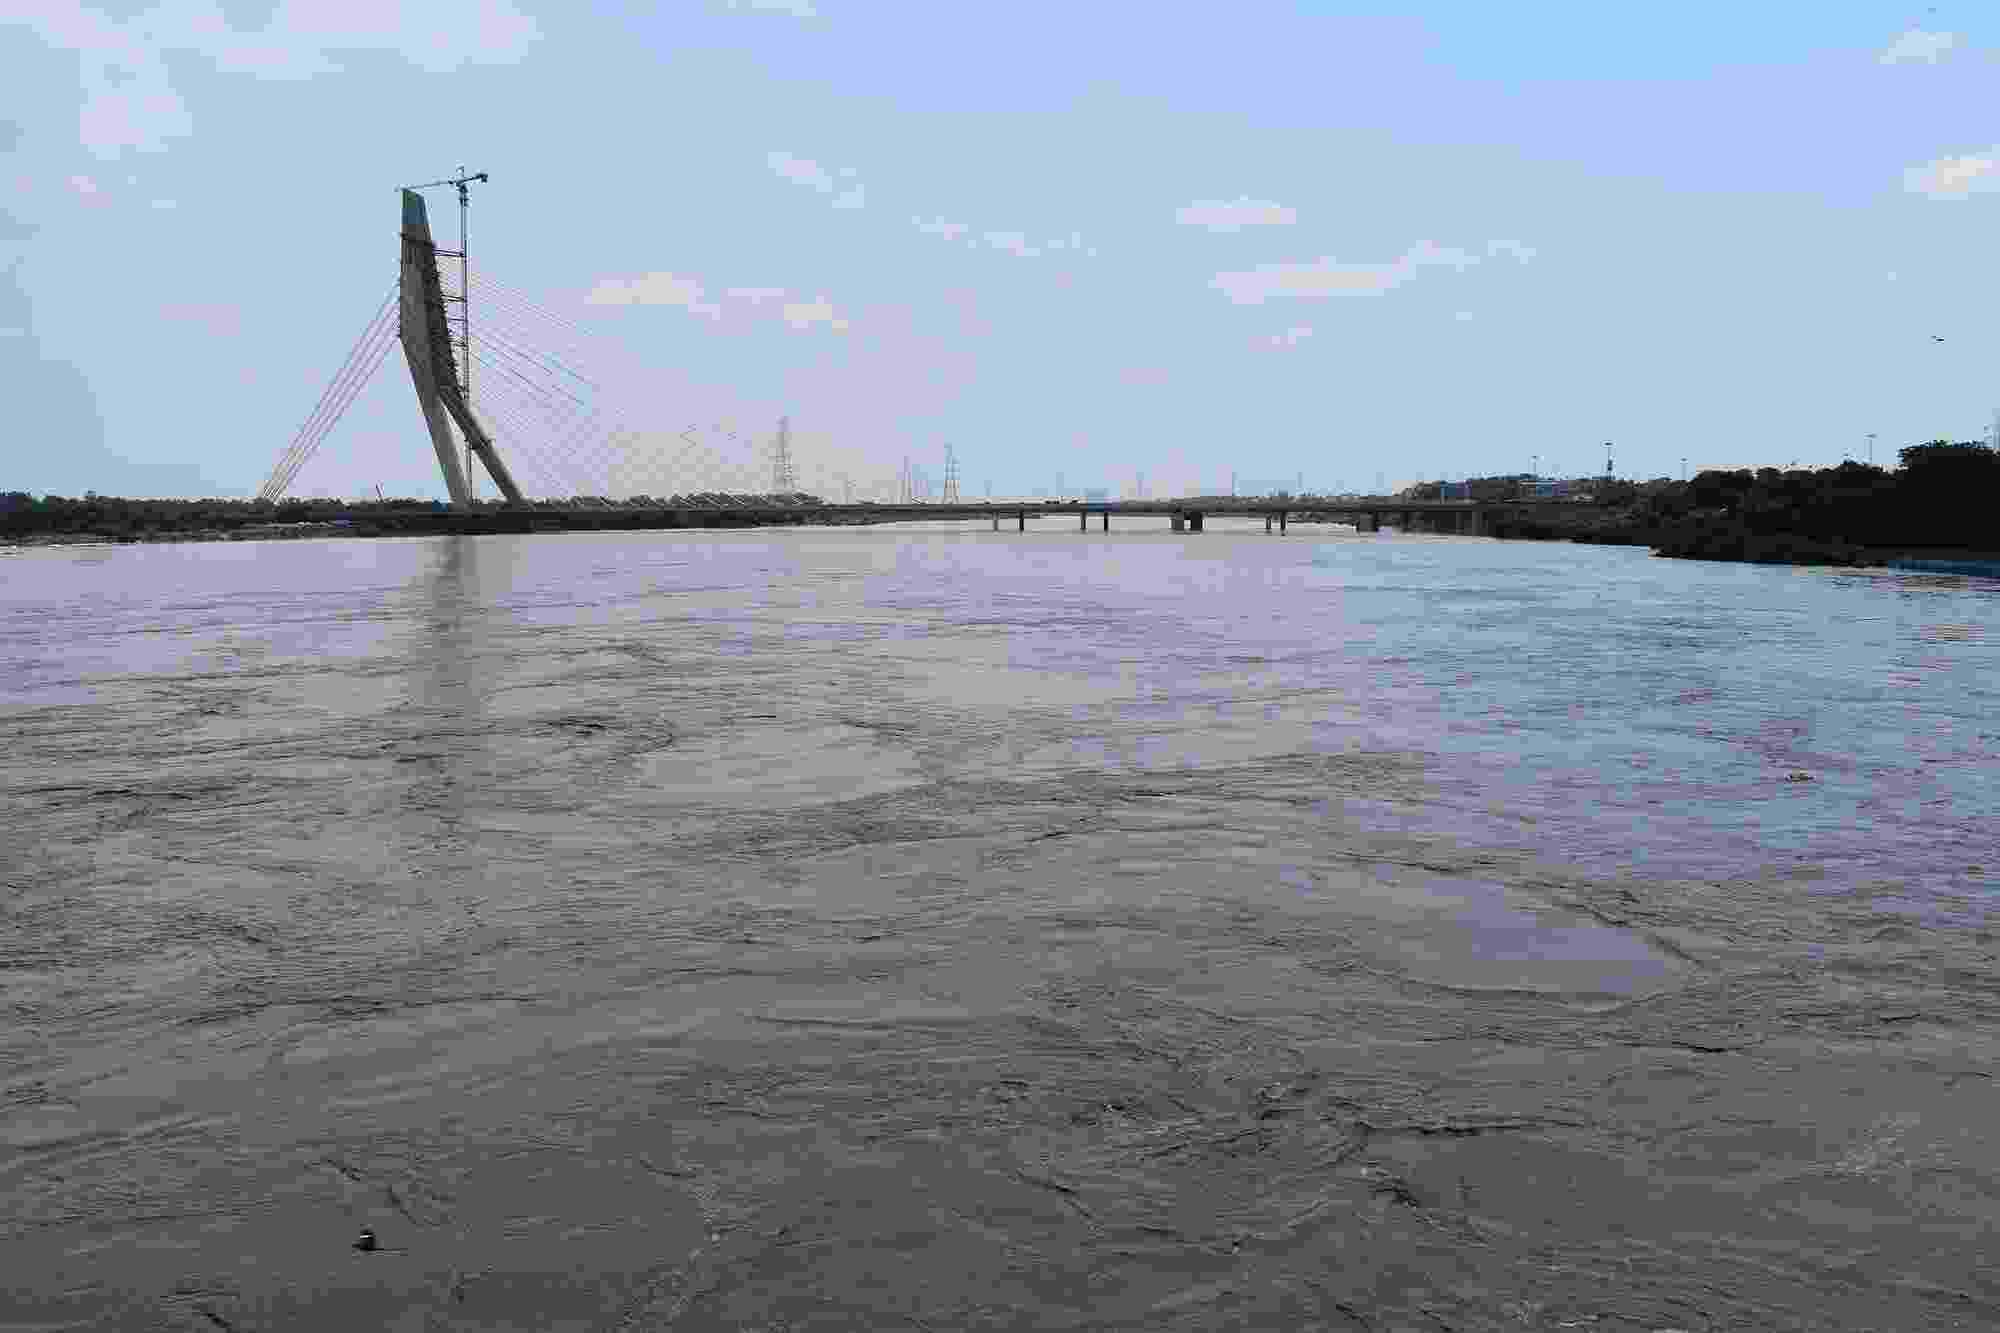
1270	238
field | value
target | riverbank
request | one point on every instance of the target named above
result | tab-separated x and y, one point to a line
1737	543
428	522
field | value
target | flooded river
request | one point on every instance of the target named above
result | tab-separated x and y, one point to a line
937	929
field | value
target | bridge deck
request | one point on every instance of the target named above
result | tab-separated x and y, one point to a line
1185	515
1167	508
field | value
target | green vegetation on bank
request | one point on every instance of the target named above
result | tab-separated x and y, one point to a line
1942	496
112	518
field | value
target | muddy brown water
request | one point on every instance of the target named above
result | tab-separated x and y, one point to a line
931	929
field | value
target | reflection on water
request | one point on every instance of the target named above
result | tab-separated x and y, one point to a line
448	695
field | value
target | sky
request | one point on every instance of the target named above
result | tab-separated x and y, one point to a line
1080	244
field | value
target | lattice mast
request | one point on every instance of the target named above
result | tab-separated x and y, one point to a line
784	476
950	475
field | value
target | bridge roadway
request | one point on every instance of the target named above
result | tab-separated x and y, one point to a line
1463	516
1369	514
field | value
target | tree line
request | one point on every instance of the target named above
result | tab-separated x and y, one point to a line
1942	494
122	518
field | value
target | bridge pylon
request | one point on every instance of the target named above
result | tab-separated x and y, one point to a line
427	346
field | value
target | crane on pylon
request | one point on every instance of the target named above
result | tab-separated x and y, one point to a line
460	182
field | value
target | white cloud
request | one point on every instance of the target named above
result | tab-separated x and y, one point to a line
166	205
804	171
654	289
1464	316
805	314
1017	243
1234	215
1291	337
668	289
83	185
129	101
1324	277
1013	242
1955	177
439	36
1430	252
1515	248
1917	45
798	9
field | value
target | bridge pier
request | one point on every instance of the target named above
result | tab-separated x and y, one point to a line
1267	521
1281	522
1178	522
996	520
1107	520
1024	520
1083	520
1194	521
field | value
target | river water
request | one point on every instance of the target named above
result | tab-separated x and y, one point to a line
922	927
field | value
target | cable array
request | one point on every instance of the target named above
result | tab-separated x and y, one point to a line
552	391
549	392
363	360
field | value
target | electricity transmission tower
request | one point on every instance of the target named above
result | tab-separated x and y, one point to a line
950	476
784	477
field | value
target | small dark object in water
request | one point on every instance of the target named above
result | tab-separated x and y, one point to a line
366	1241
1798	776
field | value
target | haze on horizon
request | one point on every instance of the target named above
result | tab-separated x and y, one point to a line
1275	239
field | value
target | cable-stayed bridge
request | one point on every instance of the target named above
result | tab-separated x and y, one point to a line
545	423
549	417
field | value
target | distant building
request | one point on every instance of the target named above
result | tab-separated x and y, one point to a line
1455	490
1097	495
1249	488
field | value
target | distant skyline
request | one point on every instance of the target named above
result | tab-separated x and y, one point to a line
1096	241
